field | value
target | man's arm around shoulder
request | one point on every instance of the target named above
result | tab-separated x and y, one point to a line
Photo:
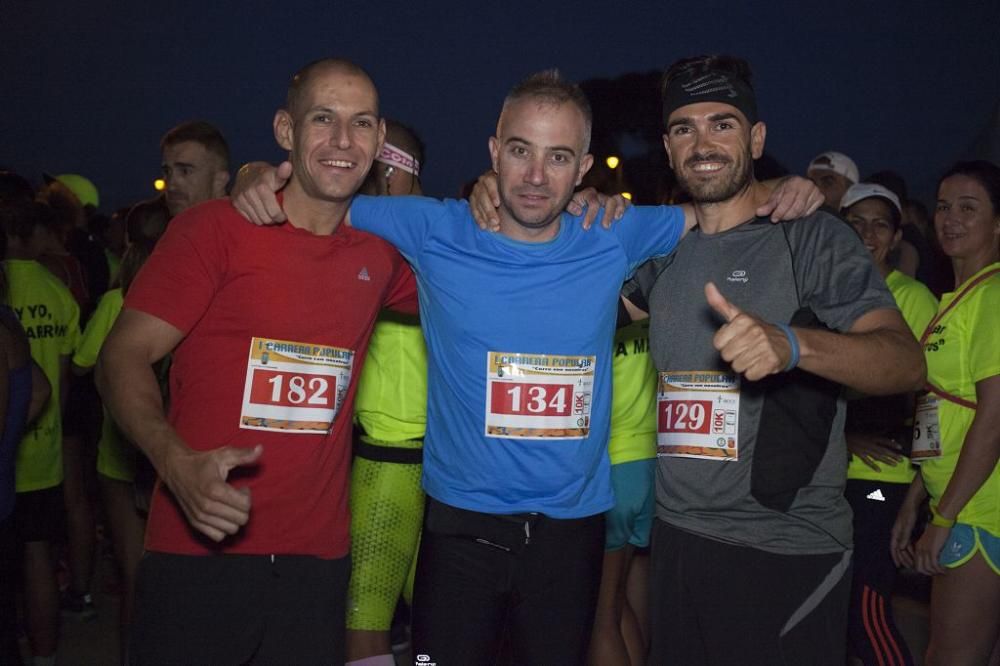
129	388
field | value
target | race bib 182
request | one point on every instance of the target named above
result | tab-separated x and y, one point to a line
294	386
538	396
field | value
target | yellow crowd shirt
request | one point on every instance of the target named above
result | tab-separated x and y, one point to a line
51	319
918	306
964	348
391	404
633	401
115	457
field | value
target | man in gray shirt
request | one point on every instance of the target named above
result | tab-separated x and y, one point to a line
754	329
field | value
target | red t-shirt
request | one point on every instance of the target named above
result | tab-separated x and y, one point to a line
270	316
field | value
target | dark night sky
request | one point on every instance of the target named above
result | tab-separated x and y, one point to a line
89	87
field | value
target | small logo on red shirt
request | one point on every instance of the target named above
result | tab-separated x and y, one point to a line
363	275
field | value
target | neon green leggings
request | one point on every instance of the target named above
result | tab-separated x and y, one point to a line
387	508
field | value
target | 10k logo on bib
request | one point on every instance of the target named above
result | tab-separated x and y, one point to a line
538	396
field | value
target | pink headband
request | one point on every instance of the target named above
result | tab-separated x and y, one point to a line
399	158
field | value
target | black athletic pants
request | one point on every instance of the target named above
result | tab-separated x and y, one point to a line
481	576
239	609
718	604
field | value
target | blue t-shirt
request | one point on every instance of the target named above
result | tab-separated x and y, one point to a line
483	292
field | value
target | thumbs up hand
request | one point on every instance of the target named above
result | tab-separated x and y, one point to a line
751	346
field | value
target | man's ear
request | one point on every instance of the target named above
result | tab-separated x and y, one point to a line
381	137
495	153
585	164
284	131
666	147
219	182
757	135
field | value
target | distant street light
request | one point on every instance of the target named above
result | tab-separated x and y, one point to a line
612	162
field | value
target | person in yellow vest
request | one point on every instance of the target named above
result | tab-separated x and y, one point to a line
957	429
619	635
51	319
879	472
387	502
116	456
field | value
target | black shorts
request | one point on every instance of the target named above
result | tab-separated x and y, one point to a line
82	416
482	579
715	603
236	609
40	515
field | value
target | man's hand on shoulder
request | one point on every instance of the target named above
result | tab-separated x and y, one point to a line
589	202
253	193
485	200
197	480
791	197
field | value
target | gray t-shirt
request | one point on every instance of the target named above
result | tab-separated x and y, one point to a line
784	494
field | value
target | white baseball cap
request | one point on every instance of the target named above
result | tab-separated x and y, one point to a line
836	162
859	191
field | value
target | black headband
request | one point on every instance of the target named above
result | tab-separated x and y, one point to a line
710	87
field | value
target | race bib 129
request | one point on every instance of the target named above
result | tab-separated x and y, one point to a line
294	386
536	396
698	415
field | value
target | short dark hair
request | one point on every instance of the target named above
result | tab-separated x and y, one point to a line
201	132
985	173
20	218
300	80
891	181
549	86
14	187
133	258
146	221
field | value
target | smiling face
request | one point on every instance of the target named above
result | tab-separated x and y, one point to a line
332	133
965	220
539	155
872	219
711	148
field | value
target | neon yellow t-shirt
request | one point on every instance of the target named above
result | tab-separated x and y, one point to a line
51	318
963	349
115	456
391	404
918	306
633	402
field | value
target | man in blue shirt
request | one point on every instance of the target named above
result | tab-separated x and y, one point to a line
519	329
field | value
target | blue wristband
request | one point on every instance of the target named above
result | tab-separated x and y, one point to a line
793	342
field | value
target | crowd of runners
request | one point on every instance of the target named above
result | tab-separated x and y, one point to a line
328	415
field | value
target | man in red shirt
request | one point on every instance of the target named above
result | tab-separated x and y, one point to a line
248	531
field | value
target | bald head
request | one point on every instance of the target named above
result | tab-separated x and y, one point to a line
299	87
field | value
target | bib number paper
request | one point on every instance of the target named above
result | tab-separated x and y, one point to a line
536	396
926	429
294	387
698	415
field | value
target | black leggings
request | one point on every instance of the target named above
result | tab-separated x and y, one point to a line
872	632
10	576
482	578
